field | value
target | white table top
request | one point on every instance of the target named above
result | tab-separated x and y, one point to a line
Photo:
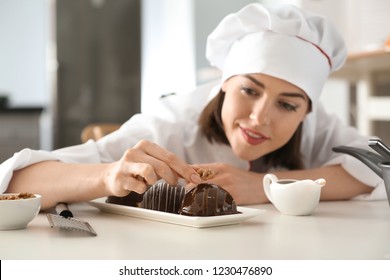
336	230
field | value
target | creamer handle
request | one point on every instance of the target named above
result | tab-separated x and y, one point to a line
267	180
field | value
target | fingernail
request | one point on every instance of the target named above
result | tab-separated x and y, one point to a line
195	178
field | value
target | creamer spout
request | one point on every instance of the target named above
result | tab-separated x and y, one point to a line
321	182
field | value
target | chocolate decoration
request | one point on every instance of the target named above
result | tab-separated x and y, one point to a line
208	200
132	199
163	197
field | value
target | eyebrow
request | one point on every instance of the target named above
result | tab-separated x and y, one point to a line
258	83
295	94
288	94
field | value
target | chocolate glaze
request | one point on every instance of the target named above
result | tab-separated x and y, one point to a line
163	197
208	200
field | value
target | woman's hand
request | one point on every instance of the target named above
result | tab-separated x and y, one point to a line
143	165
246	187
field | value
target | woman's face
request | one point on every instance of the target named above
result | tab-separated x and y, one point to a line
260	113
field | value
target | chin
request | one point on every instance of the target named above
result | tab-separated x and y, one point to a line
248	155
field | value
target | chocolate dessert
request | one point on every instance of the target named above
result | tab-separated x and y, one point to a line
163	197
208	200
132	199
202	200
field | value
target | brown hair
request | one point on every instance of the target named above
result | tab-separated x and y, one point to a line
288	156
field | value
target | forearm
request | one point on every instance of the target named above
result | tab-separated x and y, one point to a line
339	184
138	168
60	182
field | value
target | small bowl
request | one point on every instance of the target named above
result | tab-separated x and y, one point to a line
17	213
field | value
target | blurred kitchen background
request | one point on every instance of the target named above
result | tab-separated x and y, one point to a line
67	63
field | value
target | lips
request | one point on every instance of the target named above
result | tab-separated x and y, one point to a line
252	137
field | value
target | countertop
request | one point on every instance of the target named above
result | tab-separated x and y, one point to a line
335	231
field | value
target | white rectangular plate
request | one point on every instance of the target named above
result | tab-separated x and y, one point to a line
197	222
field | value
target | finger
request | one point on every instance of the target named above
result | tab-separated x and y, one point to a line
135	185
143	172
181	168
133	177
142	164
123	185
162	170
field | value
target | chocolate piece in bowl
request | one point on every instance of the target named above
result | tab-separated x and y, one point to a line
18	196
18	209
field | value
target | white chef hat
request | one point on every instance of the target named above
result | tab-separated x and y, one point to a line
294	45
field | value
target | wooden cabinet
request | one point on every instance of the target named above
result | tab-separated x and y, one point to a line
19	128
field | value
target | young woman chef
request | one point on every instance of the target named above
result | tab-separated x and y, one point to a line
263	116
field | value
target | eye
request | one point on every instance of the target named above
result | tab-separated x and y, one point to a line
288	106
248	91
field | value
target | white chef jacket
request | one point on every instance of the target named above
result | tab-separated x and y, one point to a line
174	125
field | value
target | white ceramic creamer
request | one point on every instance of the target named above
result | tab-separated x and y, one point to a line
293	197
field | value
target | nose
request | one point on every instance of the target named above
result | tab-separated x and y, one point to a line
261	112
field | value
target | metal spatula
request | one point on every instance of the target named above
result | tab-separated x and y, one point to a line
64	219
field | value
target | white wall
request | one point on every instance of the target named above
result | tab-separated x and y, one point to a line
363	23
23	33
207	15
369	23
27	58
168	51
336	99
174	36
